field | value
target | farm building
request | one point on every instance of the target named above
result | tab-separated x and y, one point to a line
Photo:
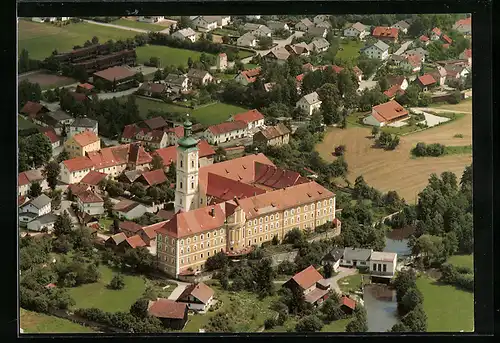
386	113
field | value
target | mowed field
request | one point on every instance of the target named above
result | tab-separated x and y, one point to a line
167	55
40	39
47	81
33	322
396	170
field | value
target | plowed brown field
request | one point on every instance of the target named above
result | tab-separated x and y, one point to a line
396	170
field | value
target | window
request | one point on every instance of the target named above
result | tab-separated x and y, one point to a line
221	231
182	242
181	163
182	261
324	211
188	259
260	228
159	238
181	185
277	215
192	164
222	240
325	203
291	221
249	223
286	221
272	217
254	230
194	238
319	212
286	213
260	220
266	227
166	240
277	225
330	210
201	245
267	219
201	255
194	258
331	201
208	234
192	185
182	250
305	208
188	249
201	237
260	239
266	237
208	243
208	253
292	211
312	206
159	246
215	233
188	240
255	222
272	226
318	204
317	222
194	247
249	232
384	267
305	216
298	209
298	219
249	242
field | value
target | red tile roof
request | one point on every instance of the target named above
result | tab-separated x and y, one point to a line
32	108
78	188
426	79
394	90
276	178
129	131
414	61
178	131
464	22
223	189
424	38
436	31
299	78
135	241
78	163
389	111
50	133
446	39
165	308
155	123
249	116
22	179
164	214
151	230
154	177
21	200
337	69
115	73
446	46
85	138
87	86
93	178
118	155
227	127
307	278
169	154
89	197
349	302
251	74
383	32
129	226
200	291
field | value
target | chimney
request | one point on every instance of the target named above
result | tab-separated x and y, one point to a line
212	212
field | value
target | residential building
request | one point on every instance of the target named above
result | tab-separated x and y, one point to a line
248	40
320	18
456	72
177	84
43	223
57	119
309	103
153	89
333	258
262	31
117	77
421	53
379	50
253	118
225	132
90	203
129	228
187	33
32	109
412	63
54	139
199	77
393	91
424	40
425	82
317	31
206	23
249	27
325	24
357	30
312	285
148	235
169	155
464	26
355	257
272	136
27	178
279	55
246	77
115	240
347	305
131	242
80	125
73	170
383	263
467	55
114	160
299	49
439	74
436	34
386	34
82	143
304	25
277	25
386	113
221	62
402	26
319	44
129	209
151	19
172	314
398	80
39	206
197	296
93	179
152	178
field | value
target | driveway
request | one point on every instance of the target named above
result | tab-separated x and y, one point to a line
403	47
178	290
117	26
431	119
343	272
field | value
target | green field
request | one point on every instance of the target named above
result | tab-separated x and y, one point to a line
350	49
40	39
457	150
354	283
448	309
33	322
99	296
167	55
207	115
462	261
249	66
23	124
138	25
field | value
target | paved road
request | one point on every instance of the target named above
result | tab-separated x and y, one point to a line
343	272
102	96
117	26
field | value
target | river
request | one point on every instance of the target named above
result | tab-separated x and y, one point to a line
397	241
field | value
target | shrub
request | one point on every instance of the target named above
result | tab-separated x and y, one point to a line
117	282
269	323
434	150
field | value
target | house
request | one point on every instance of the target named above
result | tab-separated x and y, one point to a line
129	209
90	203
272	136
456	72
148	235
199	77
50	133
435	34
333	258
304	25
27	178
205	154
226	132
221	62
398	80
206	23
387	34
152	89
299	49
317	31
43	223
131	242
402	26
246	77
80	125
309	103
319	44
117	77
39	206
325	24
33	109
412	63
187	33
93	179
393	91
85	88
383	263
396	60
73	170
249	27
253	17
424	40
154	138
320	18
439	74
151	19
177	83
277	25
312	285
425	82
82	143
379	50
421	53
253	118
464	26
115	240
357	30
172	314
248	40
347	305
198	297
262	31
152	177
57	119
129	228
358	72
467	55
279	55
354	257
446	39
386	113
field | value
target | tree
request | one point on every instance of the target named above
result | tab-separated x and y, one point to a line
51	173
331	309
56	196
309	324
140	308
63	156
217	261
404	280
412	298
117	282
35	190
399	327
158	75
108	206
63	225
416	320
138	190
383	84
157	162
359	323
27	91
264	278
220	322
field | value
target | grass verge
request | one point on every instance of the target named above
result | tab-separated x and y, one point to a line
33	322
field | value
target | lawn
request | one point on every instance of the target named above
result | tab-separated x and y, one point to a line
226	32
353	283
462	261
106	223
24	124
33	322
249	66
448	309
336	326
248	313
138	25
350	49
207	115
452	150
167	55
99	296
40	39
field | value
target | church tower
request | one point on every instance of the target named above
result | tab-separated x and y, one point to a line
186	190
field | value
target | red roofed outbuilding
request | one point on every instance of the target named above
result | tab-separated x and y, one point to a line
426	81
172	314
312	285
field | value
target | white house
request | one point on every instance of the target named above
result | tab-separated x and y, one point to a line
198	297
320	18
383	263
187	33
354	257
177	83
379	50
80	125
27	178
248	39
206	23
42	223
39	206
401	26
436	34
75	169
90	203
128	209
226	132
309	103
356	30
277	25
151	20
199	77
319	44
333	258
253	118
262	31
